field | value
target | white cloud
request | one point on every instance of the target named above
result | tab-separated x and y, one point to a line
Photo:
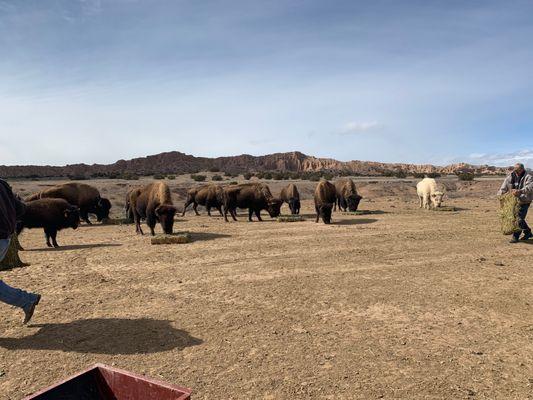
504	159
356	128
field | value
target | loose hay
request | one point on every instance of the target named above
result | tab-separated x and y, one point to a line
509	208
362	212
178	238
116	221
290	218
445	208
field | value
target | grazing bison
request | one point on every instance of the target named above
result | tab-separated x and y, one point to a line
207	195
253	196
127	204
153	202
325	197
50	214
87	198
290	195
347	196
428	193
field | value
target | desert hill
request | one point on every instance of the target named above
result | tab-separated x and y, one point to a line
175	162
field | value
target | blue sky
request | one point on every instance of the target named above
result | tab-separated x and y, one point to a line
396	81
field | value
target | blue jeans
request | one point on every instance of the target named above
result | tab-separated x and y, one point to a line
13	296
522	214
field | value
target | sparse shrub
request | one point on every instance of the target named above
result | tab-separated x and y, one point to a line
129	177
247	176
214	169
171	177
267	175
216	178
78	177
260	175
327	176
400	174
198	178
433	175
159	176
233	183
419	175
465	176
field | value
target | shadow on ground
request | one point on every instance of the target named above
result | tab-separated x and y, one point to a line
105	336
204	236
76	247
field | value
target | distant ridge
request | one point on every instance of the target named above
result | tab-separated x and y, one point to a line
175	162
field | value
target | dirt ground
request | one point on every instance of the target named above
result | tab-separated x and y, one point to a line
406	304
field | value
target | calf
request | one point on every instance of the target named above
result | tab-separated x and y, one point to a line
209	196
50	214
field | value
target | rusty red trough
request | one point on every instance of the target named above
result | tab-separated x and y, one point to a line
101	382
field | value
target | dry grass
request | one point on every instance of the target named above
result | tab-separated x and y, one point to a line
509	206
177	238
290	218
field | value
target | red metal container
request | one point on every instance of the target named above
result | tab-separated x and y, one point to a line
101	382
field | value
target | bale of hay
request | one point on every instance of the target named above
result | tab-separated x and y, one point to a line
444	208
509	208
177	238
290	218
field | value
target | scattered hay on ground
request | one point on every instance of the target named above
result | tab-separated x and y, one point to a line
117	221
445	208
290	218
176	238
509	207
363	212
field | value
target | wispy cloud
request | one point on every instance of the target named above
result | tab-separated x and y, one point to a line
504	159
356	128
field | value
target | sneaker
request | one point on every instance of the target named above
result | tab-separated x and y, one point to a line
527	236
29	312
514	240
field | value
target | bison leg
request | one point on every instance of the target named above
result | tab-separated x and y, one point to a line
195	208
47	236
53	235
250	213
84	214
234	214
317	213
151	221
187	204
258	215
220	210
208	210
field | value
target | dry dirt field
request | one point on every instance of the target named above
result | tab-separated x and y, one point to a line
406	304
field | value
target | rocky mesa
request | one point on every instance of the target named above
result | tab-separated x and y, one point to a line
176	162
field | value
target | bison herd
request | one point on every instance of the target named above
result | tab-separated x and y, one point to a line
63	206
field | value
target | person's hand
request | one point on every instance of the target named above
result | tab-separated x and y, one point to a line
516	192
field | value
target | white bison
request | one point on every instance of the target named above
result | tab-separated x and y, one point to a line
429	194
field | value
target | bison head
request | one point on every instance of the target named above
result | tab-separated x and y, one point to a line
325	212
353	202
72	217
165	213
274	207
436	199
294	205
102	209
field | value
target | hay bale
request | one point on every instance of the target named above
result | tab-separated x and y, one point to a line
117	221
509	208
176	238
290	218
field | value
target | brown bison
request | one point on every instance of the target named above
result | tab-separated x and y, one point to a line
127	204
347	196
253	196
153	203
87	198
290	195
207	195
325	198
50	214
